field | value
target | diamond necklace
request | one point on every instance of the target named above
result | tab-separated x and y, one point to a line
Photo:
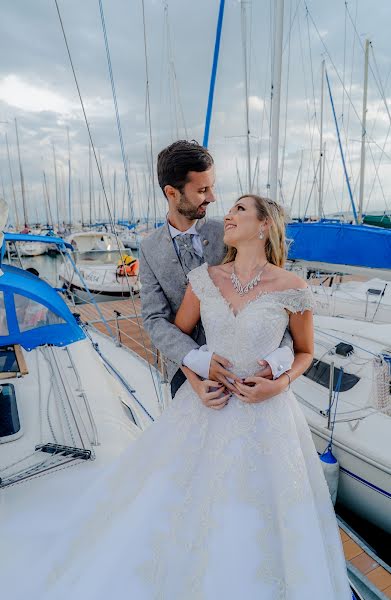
239	288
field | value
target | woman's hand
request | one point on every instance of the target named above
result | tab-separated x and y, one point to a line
209	395
257	389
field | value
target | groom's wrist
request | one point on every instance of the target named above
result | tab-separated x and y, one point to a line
280	361
198	360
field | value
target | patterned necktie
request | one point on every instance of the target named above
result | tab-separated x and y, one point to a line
189	258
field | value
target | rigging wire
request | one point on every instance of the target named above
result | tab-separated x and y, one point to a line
377	81
177	96
381	89
348	94
148	106
345	130
311	64
332	62
311	130
286	96
377	167
246	88
99	167
271	30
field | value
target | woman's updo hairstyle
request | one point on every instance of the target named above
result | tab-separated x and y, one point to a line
275	244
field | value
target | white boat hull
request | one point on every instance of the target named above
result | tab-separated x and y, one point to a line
362	428
102	282
362	484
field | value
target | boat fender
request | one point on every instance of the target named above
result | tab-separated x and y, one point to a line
330	467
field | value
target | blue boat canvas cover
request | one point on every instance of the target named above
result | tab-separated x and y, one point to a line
32	313
340	243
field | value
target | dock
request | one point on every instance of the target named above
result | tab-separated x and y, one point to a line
121	320
366	570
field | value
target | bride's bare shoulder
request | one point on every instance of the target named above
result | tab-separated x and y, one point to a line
284	280
221	270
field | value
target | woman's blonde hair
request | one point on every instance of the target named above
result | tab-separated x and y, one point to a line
275	245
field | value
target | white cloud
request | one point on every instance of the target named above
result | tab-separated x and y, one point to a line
256	103
32	97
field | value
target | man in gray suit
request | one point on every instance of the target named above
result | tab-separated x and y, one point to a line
186	176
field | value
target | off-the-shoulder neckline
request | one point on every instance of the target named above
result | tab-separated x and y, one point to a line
261	294
304	289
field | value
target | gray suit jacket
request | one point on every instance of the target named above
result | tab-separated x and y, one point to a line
163	285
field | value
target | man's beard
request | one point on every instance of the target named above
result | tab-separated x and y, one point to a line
189	211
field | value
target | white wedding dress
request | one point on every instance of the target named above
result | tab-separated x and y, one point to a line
206	504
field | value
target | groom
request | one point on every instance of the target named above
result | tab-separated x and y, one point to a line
186	176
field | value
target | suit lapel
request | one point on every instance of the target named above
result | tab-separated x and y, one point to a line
211	247
206	245
169	256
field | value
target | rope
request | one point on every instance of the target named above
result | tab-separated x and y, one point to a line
116	373
335	399
336	337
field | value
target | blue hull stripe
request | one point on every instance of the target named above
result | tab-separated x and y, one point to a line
364	481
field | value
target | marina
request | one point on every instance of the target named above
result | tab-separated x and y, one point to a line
141	138
120	323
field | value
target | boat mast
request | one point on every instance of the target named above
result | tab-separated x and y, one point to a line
276	99
213	74
21	178
56	187
90	183
363	134
46	193
300	181
81	202
244	45
148	107
321	157
12	183
69	184
114	198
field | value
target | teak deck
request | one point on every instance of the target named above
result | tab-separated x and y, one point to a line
126	326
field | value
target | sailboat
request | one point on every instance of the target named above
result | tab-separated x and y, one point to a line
345	397
70	402
99	257
333	241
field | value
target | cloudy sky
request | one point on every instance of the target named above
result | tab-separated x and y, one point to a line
37	89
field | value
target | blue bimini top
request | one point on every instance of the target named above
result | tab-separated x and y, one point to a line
32	313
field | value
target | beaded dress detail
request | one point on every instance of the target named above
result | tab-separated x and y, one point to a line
210	504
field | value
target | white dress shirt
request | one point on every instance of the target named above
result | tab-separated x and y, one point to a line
199	360
196	240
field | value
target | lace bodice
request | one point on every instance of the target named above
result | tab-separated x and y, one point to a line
255	331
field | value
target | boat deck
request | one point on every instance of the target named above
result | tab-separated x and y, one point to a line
123	318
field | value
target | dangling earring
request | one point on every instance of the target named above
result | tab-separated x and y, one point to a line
261	235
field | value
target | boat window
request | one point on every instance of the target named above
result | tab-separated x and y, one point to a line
8	360
9	416
32	314
319	372
3	317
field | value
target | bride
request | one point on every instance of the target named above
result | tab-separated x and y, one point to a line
224	496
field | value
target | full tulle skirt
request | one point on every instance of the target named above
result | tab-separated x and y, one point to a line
204	505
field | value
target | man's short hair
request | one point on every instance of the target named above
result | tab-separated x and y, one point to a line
175	162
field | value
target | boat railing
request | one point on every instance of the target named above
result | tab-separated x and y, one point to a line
125	338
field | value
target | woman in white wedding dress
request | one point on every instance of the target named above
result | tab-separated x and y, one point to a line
224	496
